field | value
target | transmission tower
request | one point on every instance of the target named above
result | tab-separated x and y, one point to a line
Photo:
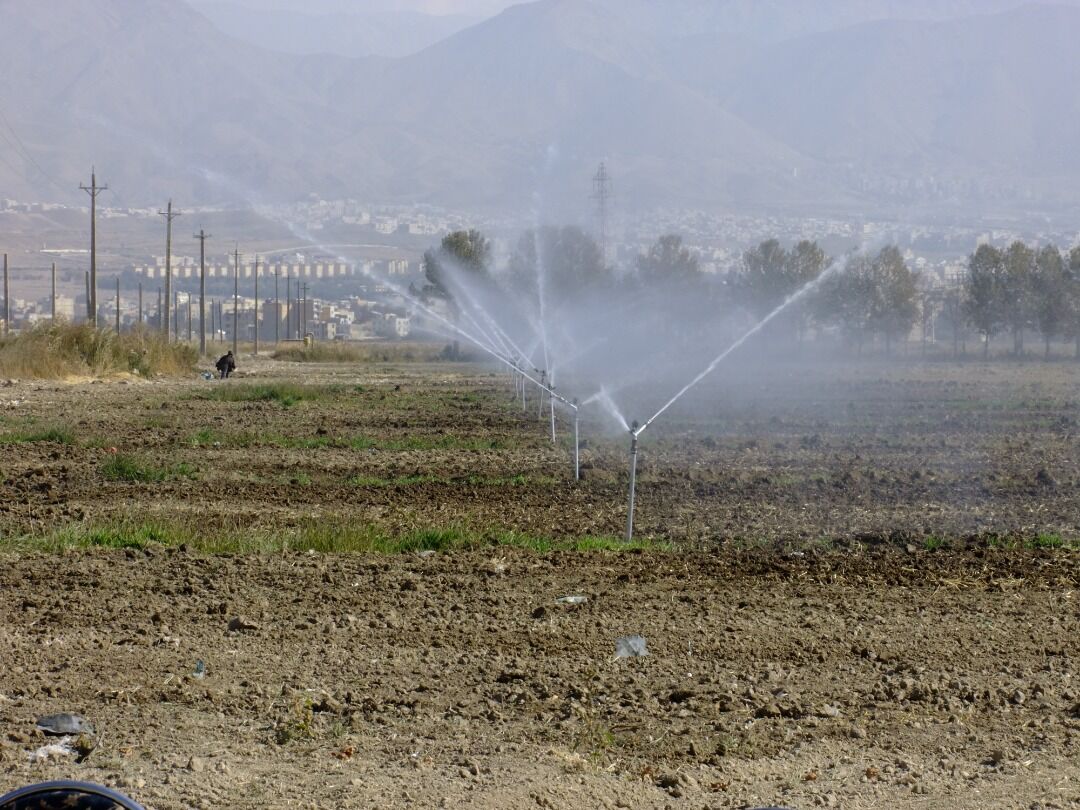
601	194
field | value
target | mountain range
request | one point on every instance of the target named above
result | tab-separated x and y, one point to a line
865	106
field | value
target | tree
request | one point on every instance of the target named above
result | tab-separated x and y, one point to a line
668	262
770	275
984	293
762	281
1050	285
1017	292
1073	288
558	264
894	305
849	299
469	251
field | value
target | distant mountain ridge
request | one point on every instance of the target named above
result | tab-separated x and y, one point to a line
689	102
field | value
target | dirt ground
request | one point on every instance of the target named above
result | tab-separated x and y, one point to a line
811	641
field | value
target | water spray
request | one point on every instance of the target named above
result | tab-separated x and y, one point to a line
543	387
633	480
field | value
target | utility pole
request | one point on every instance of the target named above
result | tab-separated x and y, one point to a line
54	292
118	305
189	318
277	306
236	301
140	305
93	190
256	304
300	313
7	299
303	314
602	195
202	236
288	303
169	217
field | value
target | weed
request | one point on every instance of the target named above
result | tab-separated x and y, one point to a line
127	468
933	543
319	536
299	724
56	434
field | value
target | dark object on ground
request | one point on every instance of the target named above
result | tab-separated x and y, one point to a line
64	723
66	795
226	365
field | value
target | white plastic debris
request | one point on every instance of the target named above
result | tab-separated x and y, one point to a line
631	647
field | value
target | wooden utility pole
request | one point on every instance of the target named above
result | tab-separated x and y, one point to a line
140	305
300	313
202	236
288	303
118	305
54	292
7	299
277	306
169	217
236	301
256	303
93	190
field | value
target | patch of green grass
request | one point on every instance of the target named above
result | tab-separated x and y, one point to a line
285	394
58	434
325	537
127	468
933	543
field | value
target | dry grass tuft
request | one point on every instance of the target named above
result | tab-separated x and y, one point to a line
60	350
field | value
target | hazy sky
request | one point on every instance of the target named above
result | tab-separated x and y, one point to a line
476	8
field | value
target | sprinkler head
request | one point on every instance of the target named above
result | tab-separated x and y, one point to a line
634	428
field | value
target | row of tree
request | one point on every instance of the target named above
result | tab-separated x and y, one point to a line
866	297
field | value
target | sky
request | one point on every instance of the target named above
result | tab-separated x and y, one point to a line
474	8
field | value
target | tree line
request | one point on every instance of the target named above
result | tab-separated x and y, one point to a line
864	298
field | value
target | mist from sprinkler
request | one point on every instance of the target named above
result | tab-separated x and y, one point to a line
636	431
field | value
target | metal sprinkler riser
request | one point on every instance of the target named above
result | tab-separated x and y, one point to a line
633	481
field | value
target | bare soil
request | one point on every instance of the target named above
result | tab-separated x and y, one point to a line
810	644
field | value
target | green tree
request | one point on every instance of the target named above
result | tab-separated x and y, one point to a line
1017	291
668	262
894	304
470	251
1050	285
984	290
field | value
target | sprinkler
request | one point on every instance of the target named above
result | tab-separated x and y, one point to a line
633	477
542	386
577	444
551	400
